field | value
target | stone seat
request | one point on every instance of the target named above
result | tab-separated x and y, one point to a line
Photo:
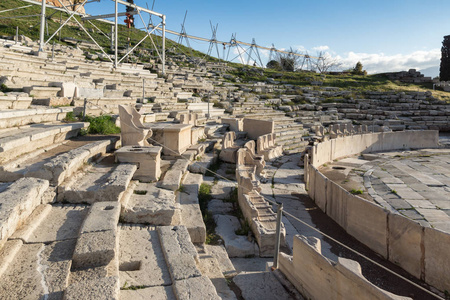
38	92
133	131
14	142
18	200
14	102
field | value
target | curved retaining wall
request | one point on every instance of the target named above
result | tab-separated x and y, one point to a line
421	251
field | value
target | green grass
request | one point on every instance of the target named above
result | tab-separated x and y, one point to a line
204	196
356	84
102	125
244	230
356	192
70	117
29	27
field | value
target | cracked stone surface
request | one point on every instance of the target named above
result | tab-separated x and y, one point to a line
38	270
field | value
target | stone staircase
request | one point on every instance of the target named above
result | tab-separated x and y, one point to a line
291	136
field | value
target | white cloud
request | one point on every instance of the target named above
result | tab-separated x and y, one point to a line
321	48
379	62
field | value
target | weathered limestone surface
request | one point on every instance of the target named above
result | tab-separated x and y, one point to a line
405	243
102	216
110	183
133	132
179	252
64	165
151	205
437	264
191	216
106	288
148	160
64	223
141	257
317	277
236	245
210	268
256	128
172	179
38	270
155	293
220	254
195	288
97	243
8	253
17	202
260	285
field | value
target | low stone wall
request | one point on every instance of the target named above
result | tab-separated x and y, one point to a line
372	142
317	277
256	128
421	251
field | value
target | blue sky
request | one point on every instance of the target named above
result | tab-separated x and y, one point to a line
383	35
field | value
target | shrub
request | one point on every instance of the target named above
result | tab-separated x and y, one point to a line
102	125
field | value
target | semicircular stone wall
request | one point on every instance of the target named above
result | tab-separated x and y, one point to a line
422	251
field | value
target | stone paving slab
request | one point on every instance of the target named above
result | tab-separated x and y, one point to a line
420	180
179	252
38	270
106	288
260	285
236	245
149	204
220	254
150	293
141	258
195	288
64	224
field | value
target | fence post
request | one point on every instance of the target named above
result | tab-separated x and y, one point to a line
305	170
84	109
278	234
143	90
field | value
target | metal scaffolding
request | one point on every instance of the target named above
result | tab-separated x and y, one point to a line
246	52
114	32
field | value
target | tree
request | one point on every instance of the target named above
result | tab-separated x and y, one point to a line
444	72
287	61
325	62
358	69
273	64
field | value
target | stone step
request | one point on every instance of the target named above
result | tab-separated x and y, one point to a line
145	203
14	102
142	268
261	285
264	116
41	92
19	199
288	136
104	181
292	126
210	267
181	258
33	115
191	215
97	243
236	245
57	162
42	261
28	138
